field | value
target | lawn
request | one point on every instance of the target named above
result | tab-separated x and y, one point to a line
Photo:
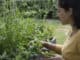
60	31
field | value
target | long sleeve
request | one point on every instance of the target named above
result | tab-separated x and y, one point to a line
71	48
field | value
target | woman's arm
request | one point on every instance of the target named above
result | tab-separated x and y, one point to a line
55	47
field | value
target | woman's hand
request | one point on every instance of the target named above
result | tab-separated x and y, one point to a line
44	43
55	47
48	45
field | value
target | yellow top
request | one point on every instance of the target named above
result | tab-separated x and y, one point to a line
71	48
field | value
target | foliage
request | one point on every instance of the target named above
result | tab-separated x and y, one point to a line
29	8
20	38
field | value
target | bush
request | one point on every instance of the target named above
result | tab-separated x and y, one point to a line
29	14
20	38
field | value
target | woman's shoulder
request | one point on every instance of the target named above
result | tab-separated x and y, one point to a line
76	37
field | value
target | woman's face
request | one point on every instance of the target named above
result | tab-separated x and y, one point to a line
64	16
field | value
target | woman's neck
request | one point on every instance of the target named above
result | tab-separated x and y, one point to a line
74	30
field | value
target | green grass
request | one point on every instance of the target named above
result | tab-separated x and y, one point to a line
60	35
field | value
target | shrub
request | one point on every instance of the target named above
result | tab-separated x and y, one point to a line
20	38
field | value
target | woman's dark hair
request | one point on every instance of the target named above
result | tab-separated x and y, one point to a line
75	5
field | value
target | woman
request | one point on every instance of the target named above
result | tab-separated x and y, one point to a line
69	13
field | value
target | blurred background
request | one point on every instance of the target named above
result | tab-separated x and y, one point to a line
24	23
